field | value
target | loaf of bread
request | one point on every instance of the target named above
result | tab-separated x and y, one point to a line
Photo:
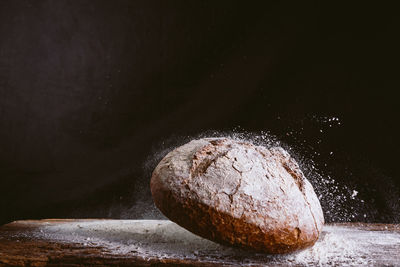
236	193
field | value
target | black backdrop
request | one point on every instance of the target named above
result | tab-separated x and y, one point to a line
92	91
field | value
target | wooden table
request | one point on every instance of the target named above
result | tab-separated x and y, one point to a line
160	242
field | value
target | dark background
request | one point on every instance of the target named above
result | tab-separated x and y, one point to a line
93	93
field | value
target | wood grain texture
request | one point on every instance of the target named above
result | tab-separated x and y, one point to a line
159	242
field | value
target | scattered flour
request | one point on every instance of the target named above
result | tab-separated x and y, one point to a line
337	246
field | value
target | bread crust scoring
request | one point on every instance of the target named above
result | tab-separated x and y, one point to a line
239	194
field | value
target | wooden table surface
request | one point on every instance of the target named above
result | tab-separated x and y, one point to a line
59	242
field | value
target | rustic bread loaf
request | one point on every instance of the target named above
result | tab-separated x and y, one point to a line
236	193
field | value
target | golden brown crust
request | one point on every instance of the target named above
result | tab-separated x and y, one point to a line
235	217
206	222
